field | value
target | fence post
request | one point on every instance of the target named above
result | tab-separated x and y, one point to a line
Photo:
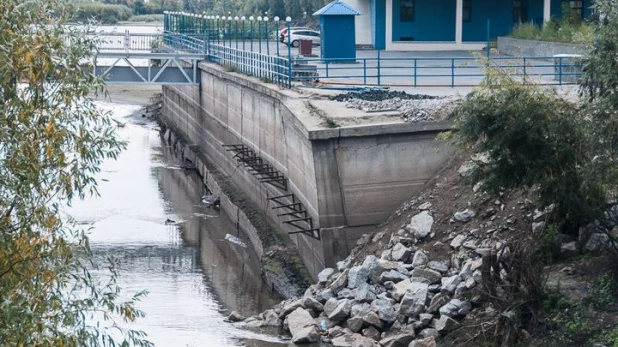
251	20
229	29
289	22
488	38
243	19
525	75
267	36
277	34
415	70
218	36
452	72
259	19
365	71
379	72
560	71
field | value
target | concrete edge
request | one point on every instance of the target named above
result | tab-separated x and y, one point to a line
380	129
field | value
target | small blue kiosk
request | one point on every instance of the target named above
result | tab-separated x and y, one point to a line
338	32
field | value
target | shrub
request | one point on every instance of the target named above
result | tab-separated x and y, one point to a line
570	28
105	13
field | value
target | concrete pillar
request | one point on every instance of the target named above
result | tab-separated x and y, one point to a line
389	25
459	21
546	10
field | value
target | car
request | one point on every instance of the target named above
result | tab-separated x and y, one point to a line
303	34
283	32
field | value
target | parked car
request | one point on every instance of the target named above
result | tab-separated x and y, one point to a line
303	34
283	32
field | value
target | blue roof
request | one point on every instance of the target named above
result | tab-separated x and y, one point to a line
337	8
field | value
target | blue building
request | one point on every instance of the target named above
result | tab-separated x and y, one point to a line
401	25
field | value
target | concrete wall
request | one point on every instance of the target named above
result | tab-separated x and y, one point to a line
362	22
534	48
348	179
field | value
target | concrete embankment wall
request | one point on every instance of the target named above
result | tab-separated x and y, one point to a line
348	179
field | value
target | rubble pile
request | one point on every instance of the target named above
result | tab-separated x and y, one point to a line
412	107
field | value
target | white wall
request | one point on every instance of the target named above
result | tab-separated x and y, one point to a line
362	22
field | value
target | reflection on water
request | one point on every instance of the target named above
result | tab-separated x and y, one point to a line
192	273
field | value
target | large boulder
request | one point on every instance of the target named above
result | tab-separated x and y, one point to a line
325	275
364	293
420	225
430	275
426	342
380	267
373	319
271	318
393	276
384	309
340	282
302	326
464	216
399	289
419	259
357	276
414	300
353	340
290	306
341	311
398	340
311	303
330	305
446	324
400	253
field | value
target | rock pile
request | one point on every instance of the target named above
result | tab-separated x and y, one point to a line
412	107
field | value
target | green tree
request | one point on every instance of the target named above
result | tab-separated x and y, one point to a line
53	140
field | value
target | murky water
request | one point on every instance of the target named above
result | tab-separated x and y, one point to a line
193	274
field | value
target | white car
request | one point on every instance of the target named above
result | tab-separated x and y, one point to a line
303	34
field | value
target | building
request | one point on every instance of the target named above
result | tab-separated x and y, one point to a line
401	25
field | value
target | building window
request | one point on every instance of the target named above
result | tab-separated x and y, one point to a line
577	7
406	10
520	11
467	13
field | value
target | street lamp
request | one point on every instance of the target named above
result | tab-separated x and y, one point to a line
243	18
288	21
251	20
267	35
259	18
277	34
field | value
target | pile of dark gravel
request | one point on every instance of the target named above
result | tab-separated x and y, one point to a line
380	95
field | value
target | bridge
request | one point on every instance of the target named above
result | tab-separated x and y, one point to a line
157	59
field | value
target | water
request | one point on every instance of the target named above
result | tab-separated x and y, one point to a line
192	271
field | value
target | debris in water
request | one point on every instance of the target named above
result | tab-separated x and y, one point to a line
235	240
211	200
170	221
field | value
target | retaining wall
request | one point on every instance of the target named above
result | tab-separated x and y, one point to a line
534	48
349	179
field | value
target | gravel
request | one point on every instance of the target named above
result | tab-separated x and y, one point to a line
412	107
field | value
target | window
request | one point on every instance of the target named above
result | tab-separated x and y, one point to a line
520	11
577	7
467	12
406	10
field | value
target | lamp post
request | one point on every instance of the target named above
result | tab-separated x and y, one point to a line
236	31
218	36
229	29
259	18
251	20
288	20
277	33
267	36
243	18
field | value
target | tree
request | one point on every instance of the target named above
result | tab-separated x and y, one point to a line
53	140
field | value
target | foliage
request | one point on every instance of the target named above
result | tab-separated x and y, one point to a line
105	13
147	18
53	140
611	337
570	28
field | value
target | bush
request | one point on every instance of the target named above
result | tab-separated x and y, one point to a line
570	28
105	13
147	18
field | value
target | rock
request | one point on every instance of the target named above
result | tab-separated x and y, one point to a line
400	253
449	284
357	276
419	259
458	241
325	275
311	303
424	206
330	305
381	265
424	319
466	168
431	275
446	324
360	309
355	323
345	263
271	318
393	276
305	335
451	309
464	216
335	331
429	332
470	244
373	319
597	242
438	266
426	342
436	302
341	311
414	300
353	340
538	227
399	289
340	282
397	340
302	326
323	295
363	239
384	309
420	225
346	293
371	333
235	317
289	307
364	293
569	249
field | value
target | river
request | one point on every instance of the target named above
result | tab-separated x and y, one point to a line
194	276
